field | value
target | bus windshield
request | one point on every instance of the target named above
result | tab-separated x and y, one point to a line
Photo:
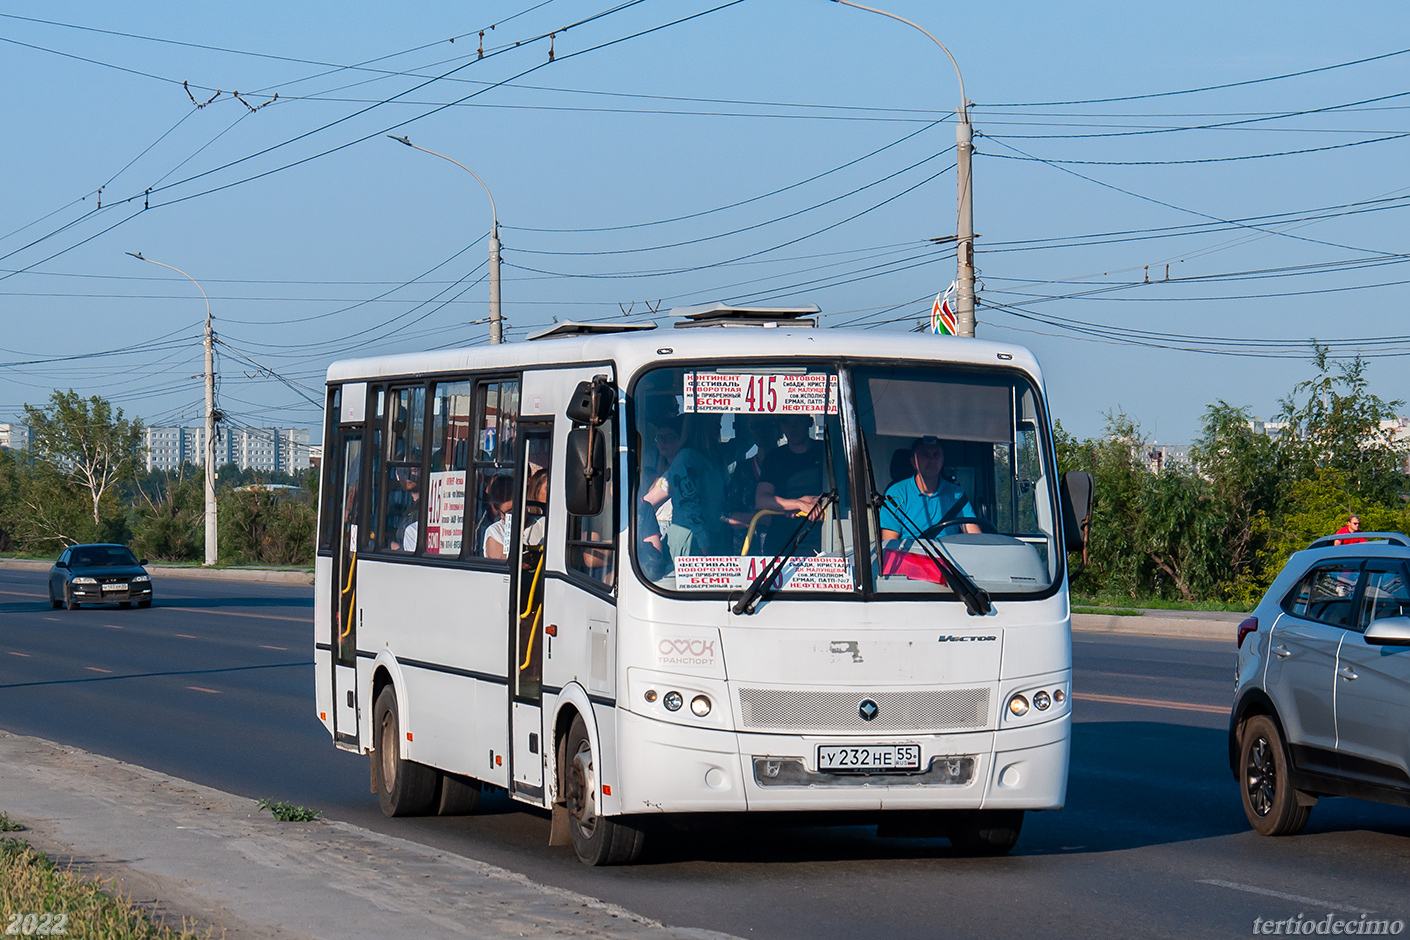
736	463
955	463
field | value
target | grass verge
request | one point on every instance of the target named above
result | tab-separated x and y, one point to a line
288	812
39	897
1110	611
1149	603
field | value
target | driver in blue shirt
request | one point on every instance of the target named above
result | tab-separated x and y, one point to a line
926	499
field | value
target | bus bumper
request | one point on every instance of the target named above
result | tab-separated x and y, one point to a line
669	768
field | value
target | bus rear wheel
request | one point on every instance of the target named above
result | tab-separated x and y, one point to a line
404	788
985	832
598	839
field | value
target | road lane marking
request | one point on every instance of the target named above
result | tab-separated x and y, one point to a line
1283	895
53	619
1152	703
232	613
197	688
112	626
282	648
96	669
187	636
13	653
22	594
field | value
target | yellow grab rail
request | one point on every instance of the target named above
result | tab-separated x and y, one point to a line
533	632
754	522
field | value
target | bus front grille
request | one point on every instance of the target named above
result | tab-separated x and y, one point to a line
826	712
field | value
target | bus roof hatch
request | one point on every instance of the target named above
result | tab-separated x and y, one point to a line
719	314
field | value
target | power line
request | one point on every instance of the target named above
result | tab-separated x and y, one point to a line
1202	88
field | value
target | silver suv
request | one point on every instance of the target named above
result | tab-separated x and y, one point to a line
1322	693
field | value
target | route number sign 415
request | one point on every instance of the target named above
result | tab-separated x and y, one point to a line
805	393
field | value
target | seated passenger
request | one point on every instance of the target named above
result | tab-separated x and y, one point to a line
926	500
500	496
694	484
404	509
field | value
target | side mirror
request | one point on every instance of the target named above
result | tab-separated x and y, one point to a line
142	563
1077	487
1391	631
592	402
585	482
61	564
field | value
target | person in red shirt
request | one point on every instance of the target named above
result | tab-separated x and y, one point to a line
1352	526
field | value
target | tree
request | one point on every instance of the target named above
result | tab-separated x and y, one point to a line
1338	426
87	443
168	515
1242	469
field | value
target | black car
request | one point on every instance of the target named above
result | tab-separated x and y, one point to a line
99	574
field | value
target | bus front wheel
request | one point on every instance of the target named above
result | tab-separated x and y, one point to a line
404	788
598	839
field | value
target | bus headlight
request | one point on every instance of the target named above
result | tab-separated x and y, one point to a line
700	705
673	701
1041	701
1018	706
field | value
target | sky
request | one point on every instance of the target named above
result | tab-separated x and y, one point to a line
1171	203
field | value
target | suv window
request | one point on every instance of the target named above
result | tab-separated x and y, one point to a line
1387	594
1326	594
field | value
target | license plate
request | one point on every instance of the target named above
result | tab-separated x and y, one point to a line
115	587
869	758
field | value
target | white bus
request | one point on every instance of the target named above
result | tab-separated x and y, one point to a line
749	565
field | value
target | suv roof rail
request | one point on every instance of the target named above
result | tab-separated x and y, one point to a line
1395	538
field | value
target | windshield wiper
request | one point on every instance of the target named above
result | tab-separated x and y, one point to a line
976	599
757	588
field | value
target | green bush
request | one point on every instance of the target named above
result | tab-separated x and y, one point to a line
262	528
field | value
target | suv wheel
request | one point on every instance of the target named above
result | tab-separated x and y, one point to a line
1270	802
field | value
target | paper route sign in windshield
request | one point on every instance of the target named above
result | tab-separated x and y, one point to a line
734	572
807	393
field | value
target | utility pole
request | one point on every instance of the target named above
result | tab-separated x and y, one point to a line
209	450
496	322
964	222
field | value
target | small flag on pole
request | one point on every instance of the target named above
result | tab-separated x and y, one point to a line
942	315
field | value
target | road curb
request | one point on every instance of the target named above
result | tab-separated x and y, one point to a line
1176	627
215	855
270	575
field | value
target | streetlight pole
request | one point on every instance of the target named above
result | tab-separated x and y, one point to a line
964	151
209	453
496	322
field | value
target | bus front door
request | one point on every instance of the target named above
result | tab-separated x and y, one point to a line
344	606
526	667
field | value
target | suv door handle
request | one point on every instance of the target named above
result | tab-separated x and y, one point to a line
1282	651
1346	672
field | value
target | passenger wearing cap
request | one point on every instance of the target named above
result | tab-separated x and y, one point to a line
926	500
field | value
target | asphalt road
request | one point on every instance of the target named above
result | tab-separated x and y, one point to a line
214	684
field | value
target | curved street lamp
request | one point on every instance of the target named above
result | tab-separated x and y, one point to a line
209	452
964	150
496	333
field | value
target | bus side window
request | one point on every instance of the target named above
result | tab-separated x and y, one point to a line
406	432
489	516
371	534
329	529
451	415
592	540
